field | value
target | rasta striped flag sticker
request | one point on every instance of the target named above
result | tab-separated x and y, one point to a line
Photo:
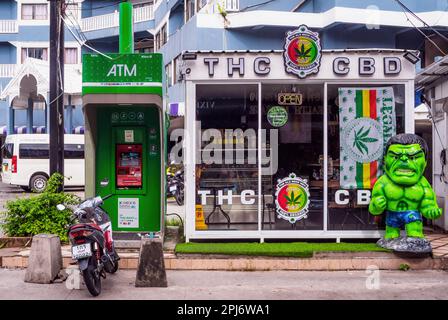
366	122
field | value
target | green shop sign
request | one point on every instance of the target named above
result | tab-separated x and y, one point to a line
123	73
277	116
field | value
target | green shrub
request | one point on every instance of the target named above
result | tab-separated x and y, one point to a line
172	222
404	267
38	214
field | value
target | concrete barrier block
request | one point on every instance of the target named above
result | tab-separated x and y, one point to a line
151	265
45	259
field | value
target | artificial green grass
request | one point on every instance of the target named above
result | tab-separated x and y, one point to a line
293	249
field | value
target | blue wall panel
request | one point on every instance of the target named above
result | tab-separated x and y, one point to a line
95	8
176	20
8	53
8	10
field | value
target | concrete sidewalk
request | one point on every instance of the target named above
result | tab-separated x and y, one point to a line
222	285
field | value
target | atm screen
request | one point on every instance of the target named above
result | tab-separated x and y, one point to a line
129	165
128	159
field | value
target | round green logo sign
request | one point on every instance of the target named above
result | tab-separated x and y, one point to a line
277	116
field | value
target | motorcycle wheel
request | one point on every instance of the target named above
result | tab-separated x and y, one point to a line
91	278
179	196
115	268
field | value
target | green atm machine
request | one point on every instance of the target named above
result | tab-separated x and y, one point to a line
124	134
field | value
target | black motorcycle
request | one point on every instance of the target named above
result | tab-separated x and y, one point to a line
92	243
175	186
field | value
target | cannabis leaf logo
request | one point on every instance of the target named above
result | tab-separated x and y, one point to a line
361	140
293	200
302	53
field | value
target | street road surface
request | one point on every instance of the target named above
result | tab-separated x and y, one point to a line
221	285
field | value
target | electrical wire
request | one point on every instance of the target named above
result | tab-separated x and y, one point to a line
75	23
81	38
421	20
424	34
180	218
101	7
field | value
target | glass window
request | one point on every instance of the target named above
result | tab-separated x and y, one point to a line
189	7
74	151
34	151
293	113
163	35
168	74
361	118
36	53
34	12
157	42
175	62
226	168
8	150
200	4
71	56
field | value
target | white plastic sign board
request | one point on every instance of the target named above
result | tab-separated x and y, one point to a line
128	213
129	135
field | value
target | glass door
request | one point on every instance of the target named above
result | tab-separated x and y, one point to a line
226	159
292	158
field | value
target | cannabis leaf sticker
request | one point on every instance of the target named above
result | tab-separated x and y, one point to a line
302	53
293	200
362	139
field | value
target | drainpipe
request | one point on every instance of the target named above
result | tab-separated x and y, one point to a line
69	113
11	114
29	116
126	37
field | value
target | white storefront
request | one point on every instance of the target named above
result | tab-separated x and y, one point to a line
297	120
434	82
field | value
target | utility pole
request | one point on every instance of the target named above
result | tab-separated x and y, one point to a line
56	130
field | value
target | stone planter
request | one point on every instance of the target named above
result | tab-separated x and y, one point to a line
172	233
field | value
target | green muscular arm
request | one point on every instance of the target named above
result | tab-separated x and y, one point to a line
428	207
378	202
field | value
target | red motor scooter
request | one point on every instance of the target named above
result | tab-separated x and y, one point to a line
92	243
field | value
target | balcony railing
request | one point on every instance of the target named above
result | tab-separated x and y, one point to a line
9	26
230	5
112	20
7	70
216	6
143	14
103	21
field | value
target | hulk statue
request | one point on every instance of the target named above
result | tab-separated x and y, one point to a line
404	194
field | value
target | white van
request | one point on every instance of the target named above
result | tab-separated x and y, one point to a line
26	160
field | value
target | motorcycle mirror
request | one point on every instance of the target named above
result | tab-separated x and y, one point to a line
60	207
104	182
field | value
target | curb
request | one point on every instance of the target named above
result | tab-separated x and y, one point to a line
325	263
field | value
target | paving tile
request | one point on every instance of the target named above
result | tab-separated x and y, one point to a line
132	263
